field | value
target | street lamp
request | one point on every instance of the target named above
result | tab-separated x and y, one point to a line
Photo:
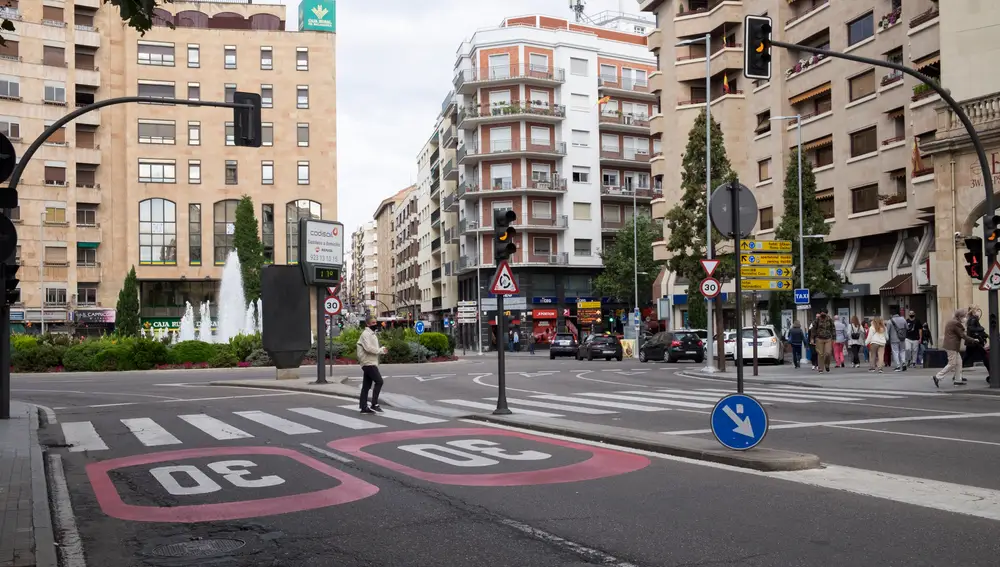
707	40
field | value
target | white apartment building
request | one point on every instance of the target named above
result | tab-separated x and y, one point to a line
362	267
405	230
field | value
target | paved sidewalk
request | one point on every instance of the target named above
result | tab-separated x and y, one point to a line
26	535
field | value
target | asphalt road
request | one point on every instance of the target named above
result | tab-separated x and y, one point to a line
268	478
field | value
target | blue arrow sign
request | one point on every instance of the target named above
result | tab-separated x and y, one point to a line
801	296
419	327
739	422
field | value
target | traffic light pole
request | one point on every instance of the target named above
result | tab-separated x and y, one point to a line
984	164
502	408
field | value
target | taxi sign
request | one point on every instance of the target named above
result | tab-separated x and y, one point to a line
765	246
766	285
765	259
753	272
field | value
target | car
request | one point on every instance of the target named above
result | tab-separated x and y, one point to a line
769	345
563	344
729	343
673	346
600	346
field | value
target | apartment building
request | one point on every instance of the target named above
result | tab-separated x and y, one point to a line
155	186
405	256
860	127
385	243
364	265
532	137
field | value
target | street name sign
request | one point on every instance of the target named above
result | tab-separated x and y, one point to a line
753	272
765	246
739	422
766	285
765	259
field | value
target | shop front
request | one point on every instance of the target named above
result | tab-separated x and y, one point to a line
93	322
544	325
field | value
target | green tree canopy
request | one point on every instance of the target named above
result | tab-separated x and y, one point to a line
137	14
246	240
618	278
127	309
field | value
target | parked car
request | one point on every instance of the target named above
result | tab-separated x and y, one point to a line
600	346
673	346
563	344
729	343
769	346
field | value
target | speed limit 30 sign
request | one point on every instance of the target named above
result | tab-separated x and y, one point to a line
710	288
331	305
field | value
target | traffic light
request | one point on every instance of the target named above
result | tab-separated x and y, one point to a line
757	47
993	238
372	295
13	293
340	323
974	257
505	237
246	121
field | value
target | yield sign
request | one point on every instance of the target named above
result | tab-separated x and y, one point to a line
503	281
709	266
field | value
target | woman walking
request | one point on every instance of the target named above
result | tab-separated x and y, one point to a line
976	352
876	339
839	341
855	340
796	337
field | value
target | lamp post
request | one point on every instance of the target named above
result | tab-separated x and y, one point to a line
707	40
41	270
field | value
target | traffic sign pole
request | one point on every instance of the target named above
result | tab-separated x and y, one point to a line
734	206
320	337
502	408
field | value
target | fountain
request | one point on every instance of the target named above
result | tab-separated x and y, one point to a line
205	323
236	315
260	316
187	324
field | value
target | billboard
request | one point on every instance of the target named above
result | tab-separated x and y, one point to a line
318	15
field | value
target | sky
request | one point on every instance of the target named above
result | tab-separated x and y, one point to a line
395	61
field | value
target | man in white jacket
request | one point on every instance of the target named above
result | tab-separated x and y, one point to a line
368	351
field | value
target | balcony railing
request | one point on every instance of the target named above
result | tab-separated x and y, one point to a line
923	171
627	155
804	65
982	110
450	235
435	183
436	217
509	72
436	303
466	262
805	15
890	78
534	108
890	19
448	269
450	202
449	100
560	259
625	119
888	141
624	84
612	224
922	91
513	146
620	191
697	7
924	17
466	225
436	244
557	221
450	137
547	184
448	168
435	274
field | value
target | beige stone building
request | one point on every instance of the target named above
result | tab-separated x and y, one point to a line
859	129
405	256
385	216
155	186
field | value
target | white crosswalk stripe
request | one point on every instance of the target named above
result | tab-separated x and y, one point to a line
216	428
563	407
650	400
716	396
149	433
598	403
82	436
814	397
861	391
278	423
336	418
481	405
403	416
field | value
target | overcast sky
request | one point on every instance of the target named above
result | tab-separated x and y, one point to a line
394	67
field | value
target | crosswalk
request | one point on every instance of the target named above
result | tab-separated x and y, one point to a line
171	430
665	399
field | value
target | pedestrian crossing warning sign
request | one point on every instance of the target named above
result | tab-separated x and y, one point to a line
504	282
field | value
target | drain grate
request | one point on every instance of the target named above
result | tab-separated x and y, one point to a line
198	548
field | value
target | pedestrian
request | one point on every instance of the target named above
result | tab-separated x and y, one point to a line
531	343
796	337
839	341
875	340
954	334
812	342
914	335
865	325
925	343
976	353
825	333
855	340
897	340
517	342
368	352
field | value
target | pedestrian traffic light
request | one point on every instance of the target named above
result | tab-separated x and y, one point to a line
974	257
757	47
505	237
246	120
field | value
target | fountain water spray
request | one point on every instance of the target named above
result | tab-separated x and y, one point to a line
205	323
187	324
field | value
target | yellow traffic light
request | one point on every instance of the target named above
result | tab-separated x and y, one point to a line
760	47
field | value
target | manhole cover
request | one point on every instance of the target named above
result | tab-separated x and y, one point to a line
198	548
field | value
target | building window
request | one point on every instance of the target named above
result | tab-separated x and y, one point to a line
861	85
581	211
10	88
57	138
295	210
194	91
53	56
86	295
767	218
303	134
155	90
194	171
194	133
230	91
302	59
267	231
303	172
581	247
55	215
194	234
578	66
158	54
763	122
194	55
53	295
10	129
230	56
864	198
267	173
230	134
232	172
86	215
864	142
581	174
302	97
579	102
55	175
266	60
824	199
56	93
860	29
157	232
224	220
267	96
157	171
86	256
157	132
824	156
764	170
266	134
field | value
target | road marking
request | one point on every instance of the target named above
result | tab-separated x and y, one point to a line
804	424
629	384
217	429
336	418
149	433
480	405
594	556
818	398
403	416
650	400
82	436
182	400
564	407
327	453
974	441
278	423
689	395
860	391
509	389
94	393
598	403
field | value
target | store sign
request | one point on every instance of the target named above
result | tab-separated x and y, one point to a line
544	300
318	15
94	316
543	313
169	323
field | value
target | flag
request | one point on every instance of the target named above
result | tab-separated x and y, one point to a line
603	100
725	83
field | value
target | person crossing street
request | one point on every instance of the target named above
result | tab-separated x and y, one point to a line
368	352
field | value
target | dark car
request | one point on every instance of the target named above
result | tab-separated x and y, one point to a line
673	346
563	344
600	346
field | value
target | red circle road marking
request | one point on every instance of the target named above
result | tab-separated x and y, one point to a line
350	489
602	462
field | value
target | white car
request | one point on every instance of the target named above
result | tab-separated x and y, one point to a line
769	345
729	343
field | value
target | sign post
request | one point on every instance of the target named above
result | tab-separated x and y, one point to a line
321	257
503	284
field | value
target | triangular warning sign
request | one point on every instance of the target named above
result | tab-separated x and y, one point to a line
504	282
709	266
991	280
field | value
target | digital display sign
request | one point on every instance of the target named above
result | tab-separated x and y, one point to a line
327	275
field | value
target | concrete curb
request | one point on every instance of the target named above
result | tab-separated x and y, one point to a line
41	515
768	460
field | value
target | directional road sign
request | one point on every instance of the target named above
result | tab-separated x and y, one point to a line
765	246
710	288
709	266
991	280
766	285
739	422
466	320
752	272
332	305
504	282
766	259
801	296
468	303
419	327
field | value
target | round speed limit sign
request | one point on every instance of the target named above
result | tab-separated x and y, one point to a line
710	287
331	305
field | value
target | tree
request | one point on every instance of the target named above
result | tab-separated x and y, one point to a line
246	240
127	310
820	275
697	308
618	278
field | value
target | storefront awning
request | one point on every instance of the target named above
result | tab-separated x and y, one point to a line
896	113
87	244
899	285
897	173
820	143
927	61
822	89
824	195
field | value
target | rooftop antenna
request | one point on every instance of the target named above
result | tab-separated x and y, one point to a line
577	7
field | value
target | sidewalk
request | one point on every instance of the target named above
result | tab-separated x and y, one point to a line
26	535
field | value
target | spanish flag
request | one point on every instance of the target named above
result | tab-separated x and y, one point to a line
603	100
725	83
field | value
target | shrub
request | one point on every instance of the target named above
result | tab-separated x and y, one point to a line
243	345
191	351
398	352
452	343
80	357
116	356
146	354
348	340
224	357
437	343
21	342
259	357
419	352
39	357
56	339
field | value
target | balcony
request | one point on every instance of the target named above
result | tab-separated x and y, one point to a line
449	171
701	16
466	226
448	271
627	157
525	147
561	259
546	186
450	137
620	193
92	118
88	273
90	77
925	17
88	233
805	21
88	193
435	183
471	117
55	271
436	303
448	103
436	275
538	224
450	235
450	204
436	218
468	80
86	35
637	89
468	263
692	67
626	122
612	226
